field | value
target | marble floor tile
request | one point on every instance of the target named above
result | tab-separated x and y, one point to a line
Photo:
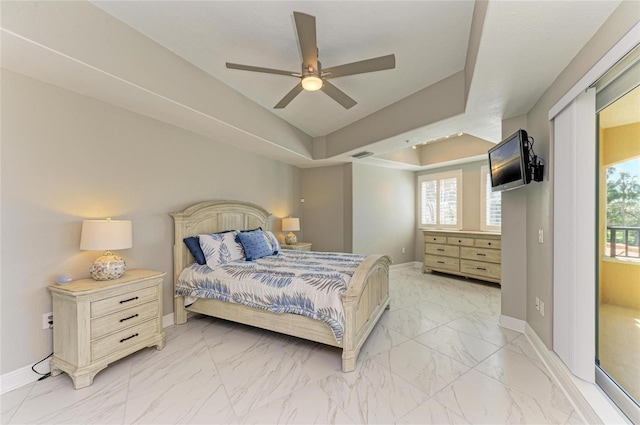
408	324
575	419
526	375
431	413
434	311
485	327
372	394
11	401
309	405
522	345
381	339
458	345
173	389
483	400
422	367
55	401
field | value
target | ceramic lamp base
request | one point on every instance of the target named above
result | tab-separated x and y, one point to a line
108	267
291	239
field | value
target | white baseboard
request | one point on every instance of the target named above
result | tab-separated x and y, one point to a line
409	265
587	398
511	323
23	376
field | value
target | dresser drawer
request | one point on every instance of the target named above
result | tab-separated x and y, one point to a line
446	250
435	239
488	243
123	301
446	263
478	268
123	319
460	241
122	340
480	254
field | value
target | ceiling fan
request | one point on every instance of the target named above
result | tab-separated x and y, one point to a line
313	77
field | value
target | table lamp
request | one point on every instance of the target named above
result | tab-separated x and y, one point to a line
106	235
291	225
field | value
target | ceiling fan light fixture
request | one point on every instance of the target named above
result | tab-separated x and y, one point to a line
311	83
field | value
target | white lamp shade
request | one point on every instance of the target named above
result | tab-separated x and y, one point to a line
311	83
100	235
290	224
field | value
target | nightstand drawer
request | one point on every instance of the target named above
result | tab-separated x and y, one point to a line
123	319
436	262
122	340
446	250
435	239
122	301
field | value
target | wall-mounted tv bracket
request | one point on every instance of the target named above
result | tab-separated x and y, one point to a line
536	164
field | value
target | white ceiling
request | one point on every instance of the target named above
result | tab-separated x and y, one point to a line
523	47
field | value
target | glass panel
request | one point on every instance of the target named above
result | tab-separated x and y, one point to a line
428	199
618	314
449	201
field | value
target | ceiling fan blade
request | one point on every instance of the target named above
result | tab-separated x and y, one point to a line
289	97
338	95
306	27
260	69
361	67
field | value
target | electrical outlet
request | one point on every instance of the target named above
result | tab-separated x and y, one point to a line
403	250
542	308
537	303
47	320
540	236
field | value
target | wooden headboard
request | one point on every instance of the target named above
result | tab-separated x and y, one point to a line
210	217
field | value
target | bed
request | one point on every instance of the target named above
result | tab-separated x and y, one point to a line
364	300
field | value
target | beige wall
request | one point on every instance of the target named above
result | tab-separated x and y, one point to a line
384	212
67	157
325	219
540	195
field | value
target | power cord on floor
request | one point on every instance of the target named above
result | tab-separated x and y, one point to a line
43	375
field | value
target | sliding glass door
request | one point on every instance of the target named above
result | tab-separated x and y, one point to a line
618	288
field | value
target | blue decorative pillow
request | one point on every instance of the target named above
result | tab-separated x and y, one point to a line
254	244
193	244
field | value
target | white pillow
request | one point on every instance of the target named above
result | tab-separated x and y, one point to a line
220	248
272	241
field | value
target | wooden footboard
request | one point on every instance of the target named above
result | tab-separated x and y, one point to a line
364	302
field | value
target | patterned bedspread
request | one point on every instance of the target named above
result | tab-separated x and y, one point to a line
300	282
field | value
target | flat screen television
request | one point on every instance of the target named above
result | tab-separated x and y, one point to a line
509	162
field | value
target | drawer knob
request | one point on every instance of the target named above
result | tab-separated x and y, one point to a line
128	318
129	337
459	241
130	299
489	243
481	255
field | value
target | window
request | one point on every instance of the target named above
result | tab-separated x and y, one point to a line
441	200
490	204
623	210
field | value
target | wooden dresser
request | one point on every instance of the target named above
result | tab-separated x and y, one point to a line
463	253
96	323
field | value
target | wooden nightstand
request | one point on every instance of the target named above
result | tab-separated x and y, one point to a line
300	246
98	322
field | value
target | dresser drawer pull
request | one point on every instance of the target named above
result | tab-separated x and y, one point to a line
481	255
459	241
440	249
489	243
130	299
440	262
129	337
481	268
128	318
